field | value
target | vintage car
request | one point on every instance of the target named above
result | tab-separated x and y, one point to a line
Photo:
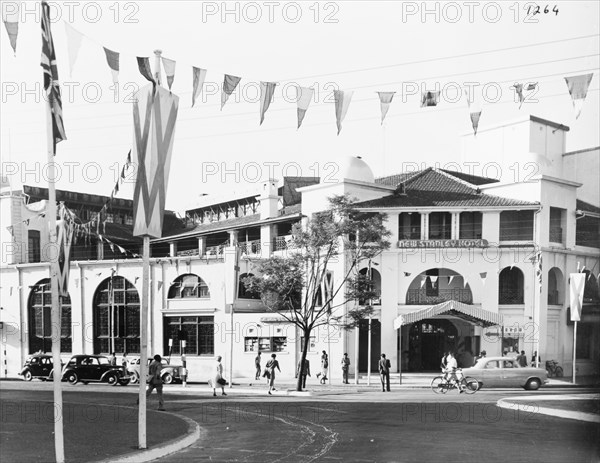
169	374
94	368
38	366
506	372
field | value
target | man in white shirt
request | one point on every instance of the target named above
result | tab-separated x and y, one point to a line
451	367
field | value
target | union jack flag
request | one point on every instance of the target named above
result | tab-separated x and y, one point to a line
51	86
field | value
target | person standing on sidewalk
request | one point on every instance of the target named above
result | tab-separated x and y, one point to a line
345	368
257	365
155	381
270	367
218	380
324	366
384	373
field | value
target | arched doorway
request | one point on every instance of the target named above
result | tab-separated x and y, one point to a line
427	342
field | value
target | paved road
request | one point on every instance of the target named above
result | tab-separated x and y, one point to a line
406	425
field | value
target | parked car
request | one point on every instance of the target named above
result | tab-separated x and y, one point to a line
93	368
506	372
169	374
38	366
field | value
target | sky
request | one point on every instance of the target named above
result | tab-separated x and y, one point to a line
358	46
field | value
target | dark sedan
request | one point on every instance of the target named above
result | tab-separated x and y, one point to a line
38	366
506	372
93	368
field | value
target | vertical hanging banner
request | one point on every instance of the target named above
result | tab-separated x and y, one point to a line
474	112
576	288
10	17
112	58
169	66
229	84
538	269
145	69
430	99
74	39
50	71
64	240
342	102
199	75
385	100
154	116
578	87
304	96
266	95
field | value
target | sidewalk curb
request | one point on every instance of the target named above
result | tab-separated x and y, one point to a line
194	433
568	414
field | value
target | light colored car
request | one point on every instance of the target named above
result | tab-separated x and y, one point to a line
169	373
506	372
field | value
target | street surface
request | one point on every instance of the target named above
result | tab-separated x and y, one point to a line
407	425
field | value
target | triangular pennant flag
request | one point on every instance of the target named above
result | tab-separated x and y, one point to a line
450	278
433	279
229	85
531	86
578	87
576	289
475	121
519	91
123	173
11	21
112	58
423	279
145	69
74	38
121	250
199	76
407	274
342	102
169	66
304	95
160	283
129	158
430	99
385	99
266	95
483	276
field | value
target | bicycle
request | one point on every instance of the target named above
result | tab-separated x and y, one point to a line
441	385
554	369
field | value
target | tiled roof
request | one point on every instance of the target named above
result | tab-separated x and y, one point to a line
395	180
432	188
587	207
472	179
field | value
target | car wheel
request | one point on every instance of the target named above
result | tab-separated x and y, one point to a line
124	382
533	384
135	377
167	378
72	378
112	380
559	372
27	376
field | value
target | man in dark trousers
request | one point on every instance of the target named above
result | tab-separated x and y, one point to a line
257	365
384	373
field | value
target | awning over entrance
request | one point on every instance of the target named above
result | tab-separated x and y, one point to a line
467	312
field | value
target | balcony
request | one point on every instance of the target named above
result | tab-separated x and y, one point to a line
215	251
281	243
420	297
189	252
250	248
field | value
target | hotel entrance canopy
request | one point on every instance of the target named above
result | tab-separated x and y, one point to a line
470	313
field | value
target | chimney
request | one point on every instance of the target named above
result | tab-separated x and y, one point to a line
269	200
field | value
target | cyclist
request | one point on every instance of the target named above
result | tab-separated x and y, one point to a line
452	371
444	366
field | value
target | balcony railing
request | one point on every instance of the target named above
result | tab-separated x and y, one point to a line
189	252
250	247
420	297
215	251
281	243
510	296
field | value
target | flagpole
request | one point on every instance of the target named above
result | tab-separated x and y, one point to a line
144	343
574	349
59	444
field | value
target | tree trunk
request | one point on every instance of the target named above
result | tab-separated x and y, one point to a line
300	369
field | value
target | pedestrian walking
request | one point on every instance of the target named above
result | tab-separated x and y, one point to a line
324	366
533	359
384	373
345	368
303	372
257	366
218	380
124	363
155	381
522	359
113	359
270	369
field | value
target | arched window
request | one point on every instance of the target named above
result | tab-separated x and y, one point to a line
555	287
116	317
243	292
511	286
375	286
39	308
189	285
